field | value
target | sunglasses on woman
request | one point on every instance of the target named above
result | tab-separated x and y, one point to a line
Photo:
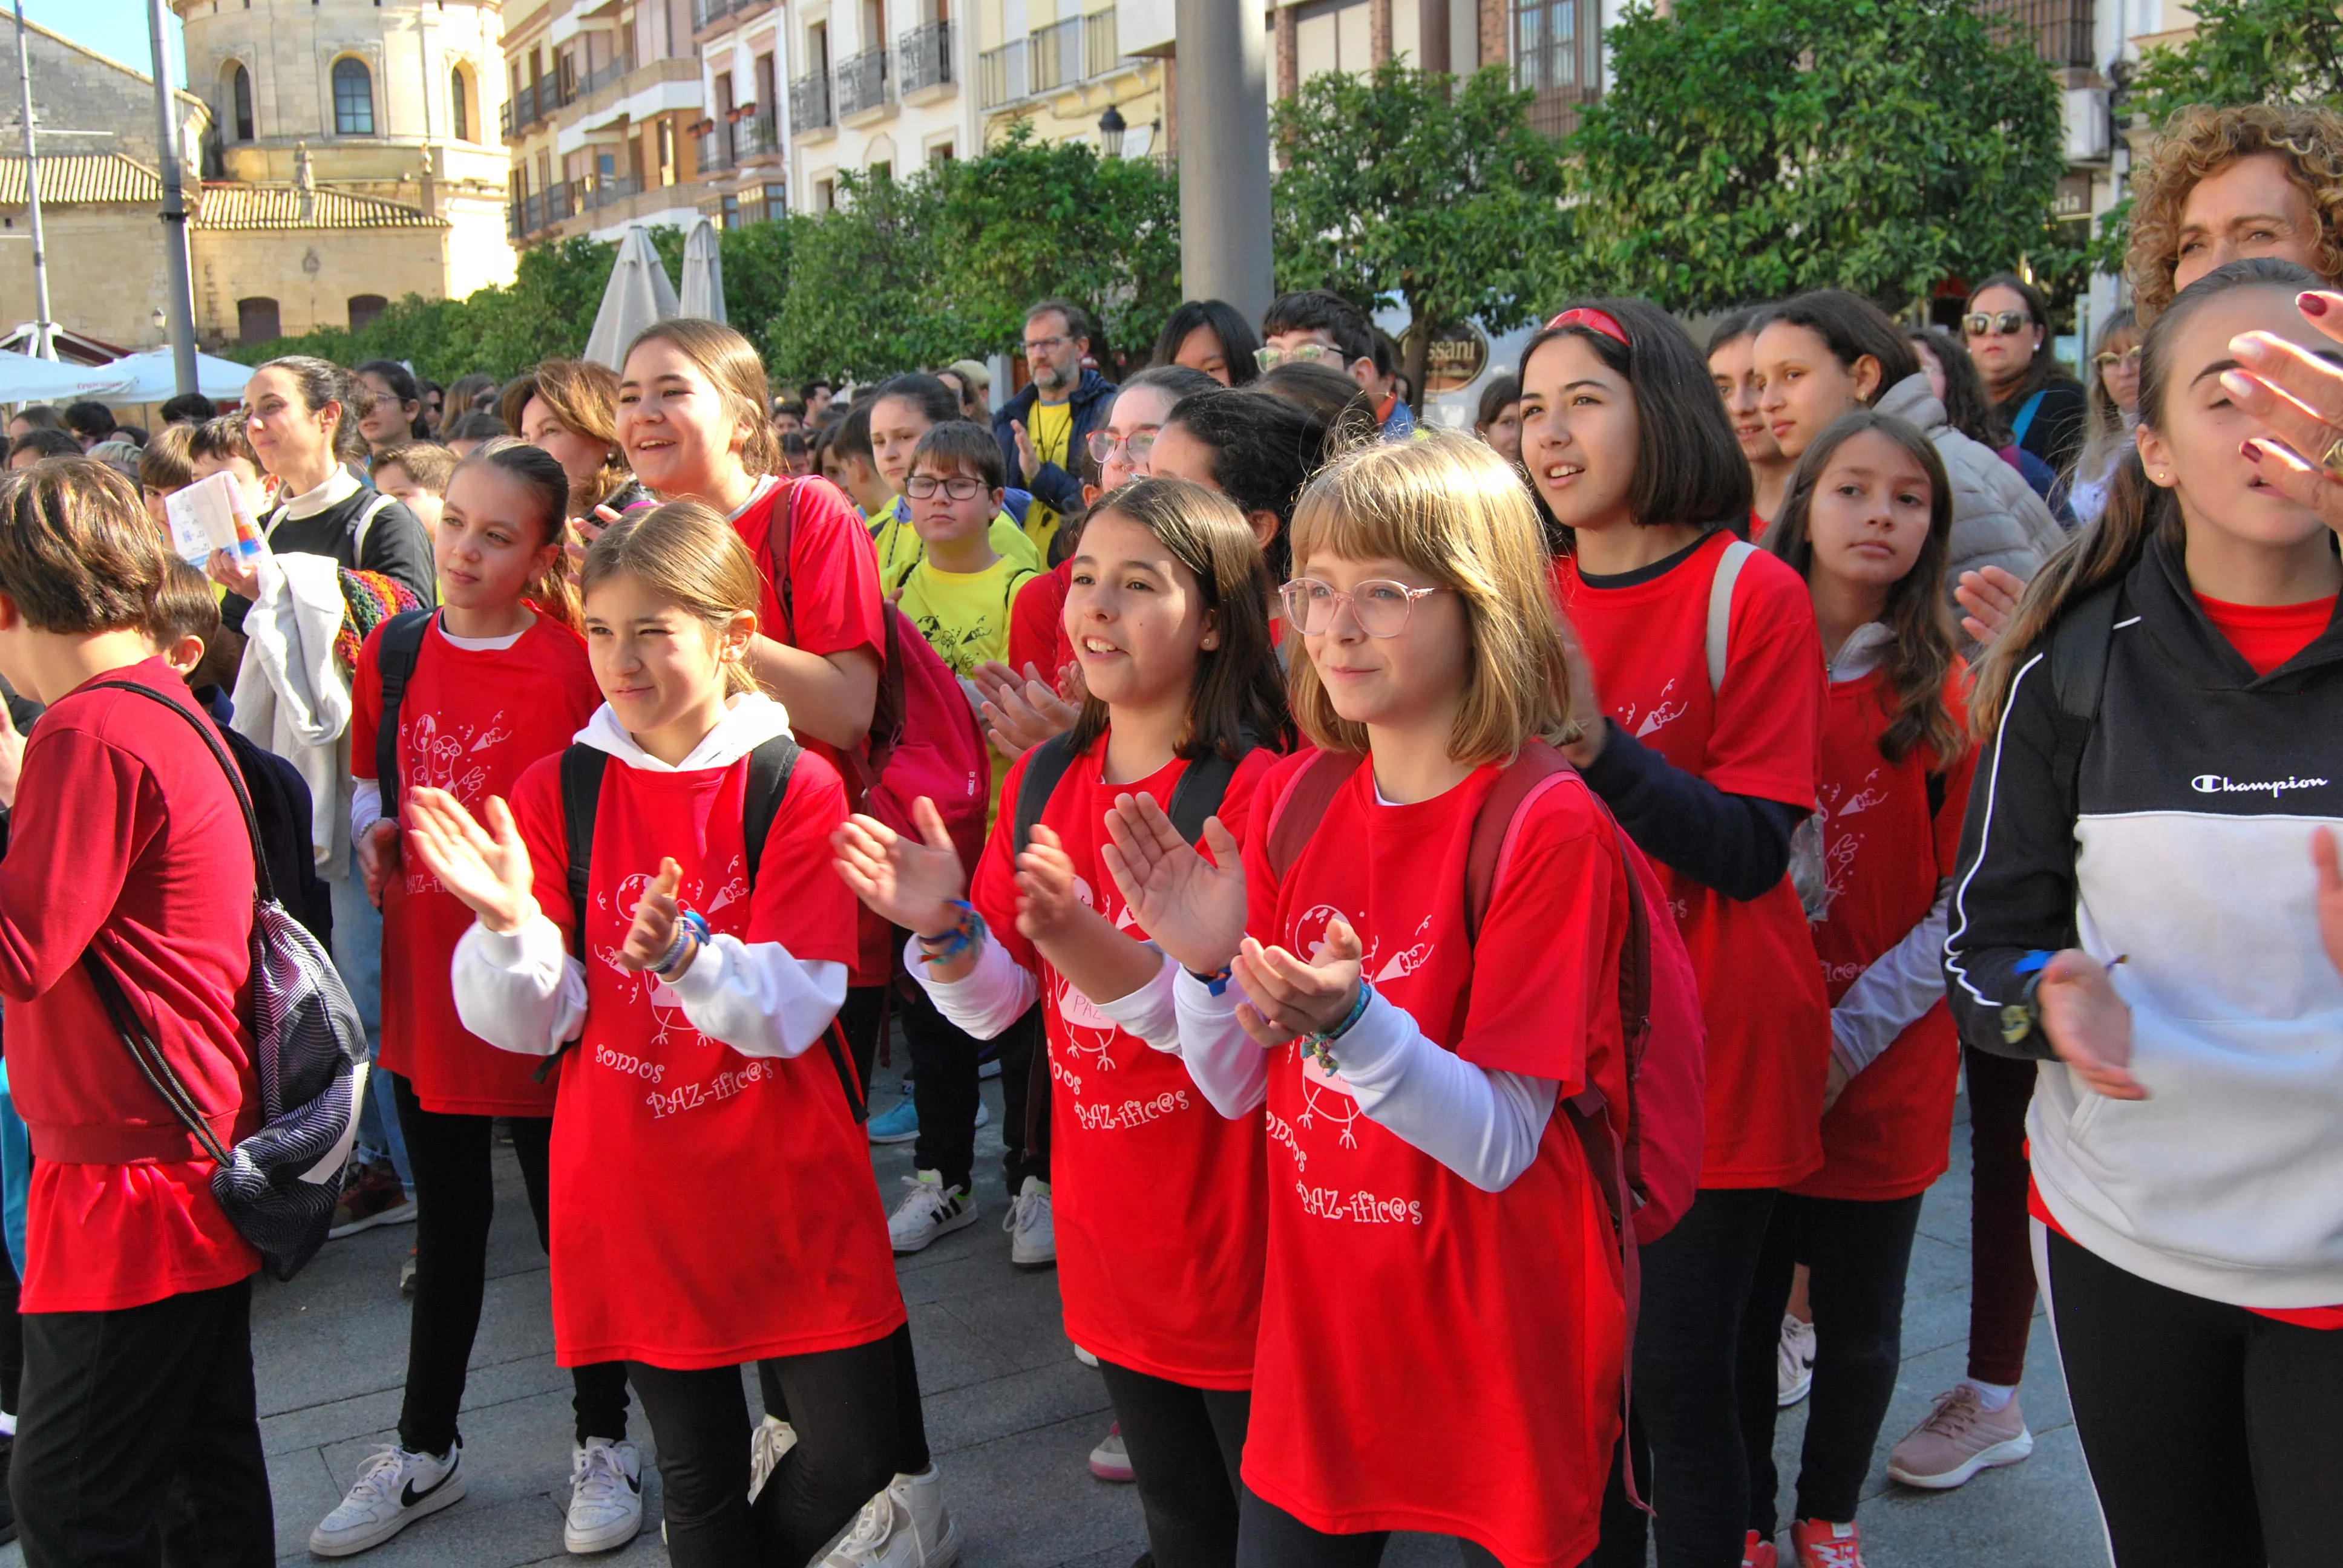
2000	323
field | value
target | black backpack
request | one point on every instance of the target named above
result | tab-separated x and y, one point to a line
394	652
770	766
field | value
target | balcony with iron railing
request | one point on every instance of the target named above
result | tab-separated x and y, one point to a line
2060	30
600	77
865	90
809	107
1065	53
530	105
754	136
596	194
715	149
706	14
924	61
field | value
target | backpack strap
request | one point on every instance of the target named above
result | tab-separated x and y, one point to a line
2079	645
395	655
2025	420
1720	606
1536	768
375	509
1203	784
581	798
1303	806
775	558
1044	765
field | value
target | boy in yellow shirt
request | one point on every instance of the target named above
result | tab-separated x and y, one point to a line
960	589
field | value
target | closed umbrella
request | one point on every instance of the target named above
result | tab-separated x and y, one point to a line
703	273
639	296
152	377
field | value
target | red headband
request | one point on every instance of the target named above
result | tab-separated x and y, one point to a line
1601	321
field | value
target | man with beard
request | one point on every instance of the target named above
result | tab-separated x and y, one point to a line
1043	427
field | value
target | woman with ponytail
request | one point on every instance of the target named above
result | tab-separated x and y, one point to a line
2139	908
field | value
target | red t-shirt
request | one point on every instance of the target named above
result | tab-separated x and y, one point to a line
1890	1133
1434	1357
1760	735
470	721
1159	1202
2267	635
125	838
1037	623
708	1208
834	604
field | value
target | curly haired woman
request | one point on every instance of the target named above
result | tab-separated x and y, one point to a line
2219	184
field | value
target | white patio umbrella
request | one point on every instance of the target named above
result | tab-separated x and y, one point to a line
703	273
151	378
24	379
638	295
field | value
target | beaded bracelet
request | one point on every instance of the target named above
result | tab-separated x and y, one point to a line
1318	1046
946	946
691	932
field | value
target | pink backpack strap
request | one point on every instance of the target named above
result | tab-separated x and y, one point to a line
1302	807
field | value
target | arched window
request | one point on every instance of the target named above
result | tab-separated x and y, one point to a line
239	88
352	98
459	109
257	321
364	309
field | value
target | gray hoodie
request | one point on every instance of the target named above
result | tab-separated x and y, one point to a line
1997	520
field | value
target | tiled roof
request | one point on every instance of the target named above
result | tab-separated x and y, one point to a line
231	205
85	178
82	177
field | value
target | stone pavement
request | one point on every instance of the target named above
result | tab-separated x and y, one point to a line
1011	1415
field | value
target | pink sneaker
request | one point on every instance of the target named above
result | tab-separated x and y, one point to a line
1820	1543
1757	1554
1960	1438
1110	1461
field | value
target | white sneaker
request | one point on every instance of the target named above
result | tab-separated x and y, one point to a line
905	1526
928	1210
393	1490
606	1495
1034	1235
1794	1365
768	1446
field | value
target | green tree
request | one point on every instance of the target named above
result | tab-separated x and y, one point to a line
1415	188
2246	51
1751	148
864	283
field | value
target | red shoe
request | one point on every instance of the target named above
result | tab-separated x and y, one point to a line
1757	1554
1820	1543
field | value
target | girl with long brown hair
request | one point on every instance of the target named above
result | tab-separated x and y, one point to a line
1868	524
570	408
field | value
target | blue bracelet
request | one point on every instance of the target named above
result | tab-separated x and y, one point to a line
1318	1046
691	932
1216	983
949	945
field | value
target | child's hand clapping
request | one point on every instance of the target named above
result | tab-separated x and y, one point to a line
657	915
1047	905
907	882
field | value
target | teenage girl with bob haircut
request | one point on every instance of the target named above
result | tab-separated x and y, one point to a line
2146	872
697	998
1868	524
1160	1200
1419	1178
1707	755
570	408
1211	335
499	679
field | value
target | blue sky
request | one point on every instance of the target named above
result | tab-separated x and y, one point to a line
113	28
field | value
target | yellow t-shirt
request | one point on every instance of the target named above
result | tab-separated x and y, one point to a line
1050	427
901	549
964	615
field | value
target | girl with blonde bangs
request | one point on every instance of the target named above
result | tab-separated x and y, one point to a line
1326	974
1467	524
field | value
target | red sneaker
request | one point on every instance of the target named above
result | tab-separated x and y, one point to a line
1757	1554
1821	1543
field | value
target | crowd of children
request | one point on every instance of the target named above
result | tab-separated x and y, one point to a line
1481	938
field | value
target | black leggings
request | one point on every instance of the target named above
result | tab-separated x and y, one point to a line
2211	1432
855	1411
455	1197
1270	1537
1702	1352
944	1090
1858	1253
1185	1444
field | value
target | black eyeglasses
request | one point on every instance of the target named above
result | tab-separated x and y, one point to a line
959	486
2001	323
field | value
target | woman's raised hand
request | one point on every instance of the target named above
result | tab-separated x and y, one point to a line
905	881
487	867
1194	908
2299	395
2089	1024
1287	997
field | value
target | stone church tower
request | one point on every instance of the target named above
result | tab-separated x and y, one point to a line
349	112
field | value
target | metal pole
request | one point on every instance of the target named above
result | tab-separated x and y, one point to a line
44	329
1223	101
180	302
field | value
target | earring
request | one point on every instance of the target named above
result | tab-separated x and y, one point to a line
1212	639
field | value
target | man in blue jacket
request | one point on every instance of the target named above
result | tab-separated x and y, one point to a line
1043	428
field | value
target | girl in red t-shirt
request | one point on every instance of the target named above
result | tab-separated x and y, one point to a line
1442	1321
1160	1200
1701	659
698	989
1868	524
498	680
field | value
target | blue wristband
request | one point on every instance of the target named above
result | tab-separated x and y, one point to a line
1318	1045
948	945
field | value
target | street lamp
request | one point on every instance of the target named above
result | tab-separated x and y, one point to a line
1110	128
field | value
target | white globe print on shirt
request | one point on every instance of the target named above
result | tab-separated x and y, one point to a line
668	1020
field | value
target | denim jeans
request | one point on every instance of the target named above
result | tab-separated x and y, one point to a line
358	956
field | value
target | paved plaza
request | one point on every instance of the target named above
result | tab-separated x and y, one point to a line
1011	1415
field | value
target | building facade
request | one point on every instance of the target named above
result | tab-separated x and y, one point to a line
1061	66
878	88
